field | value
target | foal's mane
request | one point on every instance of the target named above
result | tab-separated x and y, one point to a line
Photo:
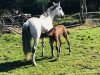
50	10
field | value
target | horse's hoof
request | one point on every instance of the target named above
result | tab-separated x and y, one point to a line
34	64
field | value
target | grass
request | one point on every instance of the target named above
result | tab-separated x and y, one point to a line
67	19
84	60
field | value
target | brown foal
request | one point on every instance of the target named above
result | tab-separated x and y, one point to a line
55	34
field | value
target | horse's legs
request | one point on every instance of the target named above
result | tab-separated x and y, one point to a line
43	39
51	44
33	49
66	37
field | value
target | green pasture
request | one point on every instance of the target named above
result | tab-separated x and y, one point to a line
84	60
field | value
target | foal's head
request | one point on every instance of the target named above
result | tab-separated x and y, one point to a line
50	33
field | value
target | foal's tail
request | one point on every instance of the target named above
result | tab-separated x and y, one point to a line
68	32
26	40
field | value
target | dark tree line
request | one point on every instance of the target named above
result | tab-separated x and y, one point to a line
37	7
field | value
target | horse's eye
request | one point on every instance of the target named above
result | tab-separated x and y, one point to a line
60	8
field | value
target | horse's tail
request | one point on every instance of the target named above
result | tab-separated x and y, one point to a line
26	40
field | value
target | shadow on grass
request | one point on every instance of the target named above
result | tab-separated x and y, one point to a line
51	59
43	58
7	66
54	59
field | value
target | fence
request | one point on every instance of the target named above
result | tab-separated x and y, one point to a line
92	17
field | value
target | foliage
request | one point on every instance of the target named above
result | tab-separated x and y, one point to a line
36	7
85	57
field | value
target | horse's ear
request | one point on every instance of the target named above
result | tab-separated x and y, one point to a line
54	3
59	3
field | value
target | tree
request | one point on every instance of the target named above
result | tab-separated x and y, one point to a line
50	2
44	4
83	11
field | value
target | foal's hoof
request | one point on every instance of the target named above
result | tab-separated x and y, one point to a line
41	55
57	57
69	54
52	56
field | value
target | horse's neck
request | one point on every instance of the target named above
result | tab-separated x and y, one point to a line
46	21
52	15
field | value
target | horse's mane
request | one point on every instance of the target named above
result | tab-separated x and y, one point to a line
50	10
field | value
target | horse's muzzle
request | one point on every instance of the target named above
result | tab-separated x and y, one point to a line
63	16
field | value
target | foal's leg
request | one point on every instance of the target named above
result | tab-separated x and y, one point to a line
60	44
43	39
56	40
51	44
66	37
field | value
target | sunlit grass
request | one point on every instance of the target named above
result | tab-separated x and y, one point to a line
84	60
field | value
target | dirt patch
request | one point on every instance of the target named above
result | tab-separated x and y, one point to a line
92	23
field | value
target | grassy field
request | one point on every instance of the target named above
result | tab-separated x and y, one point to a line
84	60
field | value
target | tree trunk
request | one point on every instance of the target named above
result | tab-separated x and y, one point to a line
83	11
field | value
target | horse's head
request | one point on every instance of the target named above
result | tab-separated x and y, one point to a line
54	10
58	10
